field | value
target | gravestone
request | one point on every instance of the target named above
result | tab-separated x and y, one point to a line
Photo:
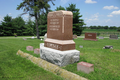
74	36
45	36
59	31
32	37
37	51
85	67
113	37
29	48
59	47
90	36
108	47
101	37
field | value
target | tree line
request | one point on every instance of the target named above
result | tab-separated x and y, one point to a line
17	26
102	27
39	10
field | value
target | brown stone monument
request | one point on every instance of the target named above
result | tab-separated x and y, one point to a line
59	31
59	47
90	36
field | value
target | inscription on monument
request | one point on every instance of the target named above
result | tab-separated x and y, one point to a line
54	46
54	24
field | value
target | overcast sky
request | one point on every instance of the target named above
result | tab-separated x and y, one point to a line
94	12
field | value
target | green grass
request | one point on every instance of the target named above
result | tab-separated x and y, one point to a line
14	67
99	30
102	32
106	62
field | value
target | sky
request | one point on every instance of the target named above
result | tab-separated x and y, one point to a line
94	12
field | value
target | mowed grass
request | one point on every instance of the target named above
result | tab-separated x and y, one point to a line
101	32
14	67
106	61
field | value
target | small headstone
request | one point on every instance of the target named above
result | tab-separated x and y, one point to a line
85	67
45	36
101	37
33	37
81	46
24	39
37	51
90	36
29	48
113	37
41	39
74	36
108	47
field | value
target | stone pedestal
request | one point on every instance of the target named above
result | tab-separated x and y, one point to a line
60	58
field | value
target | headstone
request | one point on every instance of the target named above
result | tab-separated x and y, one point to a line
45	36
24	39
90	36
81	46
37	51
59	47
108	47
29	48
85	67
101	37
74	36
113	37
33	37
59	31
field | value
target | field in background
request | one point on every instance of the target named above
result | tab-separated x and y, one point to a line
101	32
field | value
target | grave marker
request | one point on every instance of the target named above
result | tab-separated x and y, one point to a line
90	36
59	47
101	37
37	51
113	37
74	36
59	31
85	67
29	48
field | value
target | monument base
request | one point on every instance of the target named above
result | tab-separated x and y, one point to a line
90	39
60	58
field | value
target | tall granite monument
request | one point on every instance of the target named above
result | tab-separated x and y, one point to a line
59	47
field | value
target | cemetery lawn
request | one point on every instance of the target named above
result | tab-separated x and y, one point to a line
14	67
106	61
99	30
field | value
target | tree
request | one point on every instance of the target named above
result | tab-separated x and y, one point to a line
77	22
105	27
35	7
7	27
18	26
118	29
60	8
